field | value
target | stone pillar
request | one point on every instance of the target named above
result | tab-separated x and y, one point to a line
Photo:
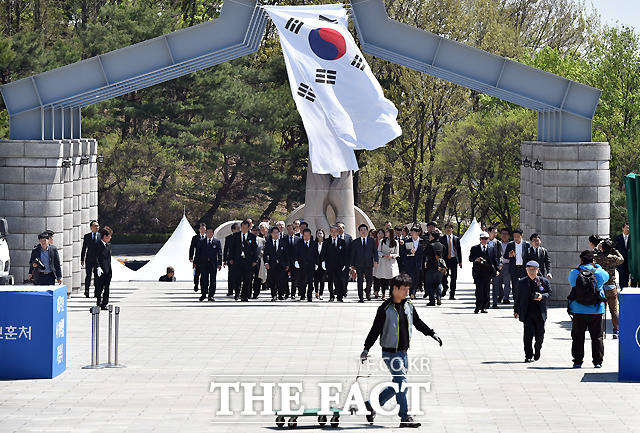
93	180
76	156
67	173
566	201
32	187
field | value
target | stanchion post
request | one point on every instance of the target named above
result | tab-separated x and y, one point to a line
95	311
115	341
110	331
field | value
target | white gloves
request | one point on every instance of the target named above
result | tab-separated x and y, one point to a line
324	265
316	267
99	271
296	264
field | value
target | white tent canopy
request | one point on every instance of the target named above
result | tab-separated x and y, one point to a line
470	238
175	253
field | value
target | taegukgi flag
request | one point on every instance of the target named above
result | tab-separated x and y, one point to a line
341	103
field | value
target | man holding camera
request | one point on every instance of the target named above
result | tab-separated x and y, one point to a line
45	263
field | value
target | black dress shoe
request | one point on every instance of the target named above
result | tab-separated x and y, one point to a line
340	300
331	299
528	360
368	298
280	298
103	307
431	304
211	299
235	297
202	298
476	311
245	300
371	417
495	307
361	301
309	300
536	356
452	298
273	299
229	293
483	311
408	422
195	289
86	293
255	297
506	302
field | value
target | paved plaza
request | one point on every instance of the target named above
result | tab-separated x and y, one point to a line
174	347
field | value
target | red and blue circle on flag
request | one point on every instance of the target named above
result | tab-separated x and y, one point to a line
328	44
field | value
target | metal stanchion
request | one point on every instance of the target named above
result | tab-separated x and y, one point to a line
115	342
110	332
95	338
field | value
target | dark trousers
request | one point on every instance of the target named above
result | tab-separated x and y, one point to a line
243	280
416	278
46	279
386	285
362	275
292	281
102	289
335	283
256	282
517	272
625	276
482	293
346	277
304	282
432	284
277	281
533	327
377	285
452	275
208	275
581	324
90	270
231	280
196	276
318	280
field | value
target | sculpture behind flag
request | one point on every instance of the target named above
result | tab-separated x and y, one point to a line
341	103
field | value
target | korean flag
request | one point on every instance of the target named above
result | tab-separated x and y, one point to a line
341	103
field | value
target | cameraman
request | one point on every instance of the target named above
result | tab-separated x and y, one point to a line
586	307
393	323
45	261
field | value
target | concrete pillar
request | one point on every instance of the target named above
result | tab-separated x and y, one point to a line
31	197
77	215
566	201
67	173
93	180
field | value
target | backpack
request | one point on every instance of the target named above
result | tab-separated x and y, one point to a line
586	290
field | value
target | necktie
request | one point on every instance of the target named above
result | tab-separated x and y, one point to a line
276	245
244	238
307	244
484	249
450	247
363	242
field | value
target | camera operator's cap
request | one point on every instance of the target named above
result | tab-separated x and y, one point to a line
532	264
484	235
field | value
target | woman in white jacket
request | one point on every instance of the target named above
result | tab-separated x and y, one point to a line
388	252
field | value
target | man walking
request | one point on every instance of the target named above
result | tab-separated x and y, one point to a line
623	245
103	271
531	309
334	262
346	274
502	281
364	256
87	255
306	259
394	322
195	240
243	256
232	280
540	254
208	258
484	269
453	259
517	252
276	261
586	307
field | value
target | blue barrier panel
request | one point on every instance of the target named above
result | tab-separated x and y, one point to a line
33	321
629	348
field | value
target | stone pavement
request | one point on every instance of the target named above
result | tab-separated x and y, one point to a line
174	346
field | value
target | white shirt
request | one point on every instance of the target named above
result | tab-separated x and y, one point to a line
519	253
319	247
626	239
276	244
502	250
453	249
363	241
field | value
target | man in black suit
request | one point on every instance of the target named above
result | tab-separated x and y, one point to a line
484	268
243	256
531	309
45	263
364	257
414	256
346	274
432	274
103	271
276	261
623	244
540	255
232	282
334	262
453	259
292	240
87	254
517	252
208	258
305	262
195	241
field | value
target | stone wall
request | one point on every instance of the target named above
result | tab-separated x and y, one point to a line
565	202
49	184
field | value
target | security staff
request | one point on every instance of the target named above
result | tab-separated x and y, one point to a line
103	271
243	256
87	254
209	258
195	240
276	260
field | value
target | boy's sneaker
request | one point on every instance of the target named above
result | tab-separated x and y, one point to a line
371	417
408	422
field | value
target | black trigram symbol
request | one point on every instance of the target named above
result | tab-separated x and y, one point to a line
358	62
327	19
306	92
325	76
293	25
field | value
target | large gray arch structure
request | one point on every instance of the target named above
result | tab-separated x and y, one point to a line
45	113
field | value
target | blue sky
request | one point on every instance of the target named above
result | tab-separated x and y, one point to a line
626	12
